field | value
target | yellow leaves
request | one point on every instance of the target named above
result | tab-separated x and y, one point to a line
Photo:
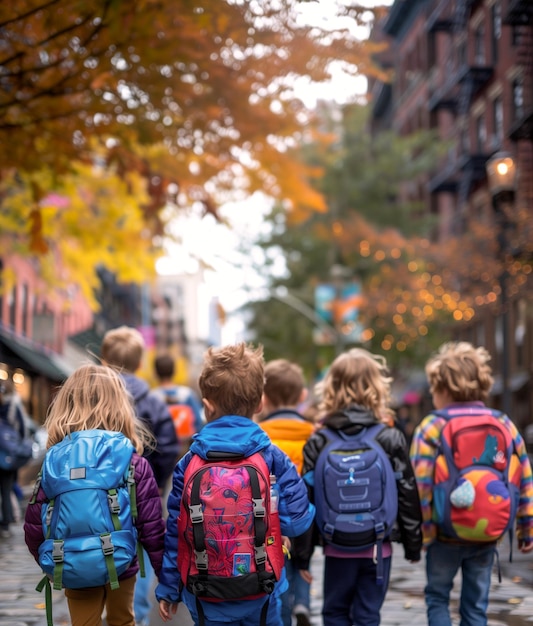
91	218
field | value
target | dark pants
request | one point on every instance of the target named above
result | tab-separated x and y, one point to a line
352	596
7	480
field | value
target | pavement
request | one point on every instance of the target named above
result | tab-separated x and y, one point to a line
511	601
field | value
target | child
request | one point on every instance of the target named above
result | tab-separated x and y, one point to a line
355	396
182	401
460	380
231	385
94	398
123	349
288	429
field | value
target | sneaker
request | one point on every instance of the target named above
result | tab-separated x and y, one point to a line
302	619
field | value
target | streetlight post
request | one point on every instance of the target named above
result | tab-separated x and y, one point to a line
501	176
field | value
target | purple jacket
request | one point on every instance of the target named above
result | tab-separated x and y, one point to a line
150	524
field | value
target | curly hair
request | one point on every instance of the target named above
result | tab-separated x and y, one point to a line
357	377
462	370
233	378
94	397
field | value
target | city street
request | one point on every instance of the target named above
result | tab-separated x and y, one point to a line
511	601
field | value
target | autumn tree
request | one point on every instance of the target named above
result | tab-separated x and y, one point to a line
196	99
379	235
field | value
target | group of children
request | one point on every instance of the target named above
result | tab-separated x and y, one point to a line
256	440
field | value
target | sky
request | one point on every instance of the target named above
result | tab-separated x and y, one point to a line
233	274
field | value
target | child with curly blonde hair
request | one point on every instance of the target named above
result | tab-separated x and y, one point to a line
460	380
355	397
92	418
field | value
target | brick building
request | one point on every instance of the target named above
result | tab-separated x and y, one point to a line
465	69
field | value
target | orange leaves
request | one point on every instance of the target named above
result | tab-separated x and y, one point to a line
208	82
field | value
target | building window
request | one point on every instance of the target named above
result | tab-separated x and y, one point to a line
481	134
479	45
497	112
496	13
518	99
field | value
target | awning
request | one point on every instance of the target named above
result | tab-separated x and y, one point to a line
16	352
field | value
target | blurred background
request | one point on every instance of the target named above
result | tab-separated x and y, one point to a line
305	175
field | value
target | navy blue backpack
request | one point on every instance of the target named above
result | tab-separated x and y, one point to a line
356	496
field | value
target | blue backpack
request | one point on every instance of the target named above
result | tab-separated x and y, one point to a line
90	537
356	496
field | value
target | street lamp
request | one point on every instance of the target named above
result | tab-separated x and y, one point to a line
501	177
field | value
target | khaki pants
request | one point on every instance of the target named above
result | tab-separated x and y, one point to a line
87	605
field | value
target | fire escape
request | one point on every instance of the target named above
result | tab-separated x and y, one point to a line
464	165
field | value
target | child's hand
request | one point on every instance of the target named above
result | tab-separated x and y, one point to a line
286	542
306	575
167	610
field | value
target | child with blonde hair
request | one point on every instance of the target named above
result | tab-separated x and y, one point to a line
92	421
354	399
466	439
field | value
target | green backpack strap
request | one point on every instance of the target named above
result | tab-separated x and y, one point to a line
44	583
134	512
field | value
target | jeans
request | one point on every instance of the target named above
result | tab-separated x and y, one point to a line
142	604
352	596
297	593
443	561
272	617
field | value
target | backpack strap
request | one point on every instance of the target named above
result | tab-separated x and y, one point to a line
132	490
44	583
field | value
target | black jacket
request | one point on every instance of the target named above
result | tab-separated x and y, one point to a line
351	421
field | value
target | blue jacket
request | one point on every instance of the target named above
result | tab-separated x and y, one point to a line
236	434
154	413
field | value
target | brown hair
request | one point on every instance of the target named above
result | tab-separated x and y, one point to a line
462	370
284	383
357	377
94	397
232	378
123	348
164	366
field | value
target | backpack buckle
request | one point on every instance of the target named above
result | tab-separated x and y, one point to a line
200	558
107	544
196	513
58	552
328	531
112	503
260	554
259	507
380	531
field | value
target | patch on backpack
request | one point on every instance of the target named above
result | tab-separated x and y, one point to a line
78	472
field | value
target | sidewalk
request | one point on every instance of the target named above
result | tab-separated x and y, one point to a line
511	601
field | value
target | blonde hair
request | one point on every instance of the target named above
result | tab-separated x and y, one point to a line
357	377
284	383
232	378
94	397
123	348
461	370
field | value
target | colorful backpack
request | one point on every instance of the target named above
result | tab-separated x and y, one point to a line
230	545
88	522
477	476
355	490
